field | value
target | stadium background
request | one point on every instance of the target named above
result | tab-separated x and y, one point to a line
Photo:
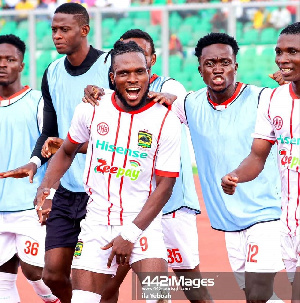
175	29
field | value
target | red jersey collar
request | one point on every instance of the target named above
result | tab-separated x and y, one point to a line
153	78
293	95
13	98
226	103
114	102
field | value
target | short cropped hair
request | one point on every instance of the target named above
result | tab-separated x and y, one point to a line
79	12
216	38
15	41
292	29
121	48
138	33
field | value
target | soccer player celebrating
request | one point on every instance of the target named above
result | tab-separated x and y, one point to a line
221	118
179	213
278	121
133	158
21	236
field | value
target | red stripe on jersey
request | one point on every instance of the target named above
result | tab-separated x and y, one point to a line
270	102
153	78
155	154
173	216
88	174
287	207
166	173
109	176
71	140
115	104
297	220
228	101
93	117
124	165
293	95
291	123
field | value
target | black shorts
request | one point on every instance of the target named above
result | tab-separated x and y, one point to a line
63	224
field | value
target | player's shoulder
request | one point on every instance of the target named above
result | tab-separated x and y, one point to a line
54	65
198	95
36	94
283	89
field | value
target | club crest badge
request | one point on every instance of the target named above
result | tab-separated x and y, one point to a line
144	139
78	249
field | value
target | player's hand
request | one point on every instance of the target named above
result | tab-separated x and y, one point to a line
162	98
27	170
121	249
41	195
51	146
46	210
229	183
92	94
278	78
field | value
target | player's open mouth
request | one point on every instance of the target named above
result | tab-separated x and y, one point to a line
133	92
285	71
218	80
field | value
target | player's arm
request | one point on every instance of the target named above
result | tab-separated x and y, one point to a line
59	164
250	168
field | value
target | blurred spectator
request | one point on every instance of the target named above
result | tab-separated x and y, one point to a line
188	13
10	4
293	10
219	21
280	18
22	6
175	46
117	4
261	18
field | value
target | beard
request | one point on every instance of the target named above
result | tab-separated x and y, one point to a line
142	103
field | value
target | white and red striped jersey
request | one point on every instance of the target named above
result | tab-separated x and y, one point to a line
125	152
278	121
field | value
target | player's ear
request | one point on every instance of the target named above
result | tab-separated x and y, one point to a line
236	65
21	67
200	70
112	78
85	29
153	59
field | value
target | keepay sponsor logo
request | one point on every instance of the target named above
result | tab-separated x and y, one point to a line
131	172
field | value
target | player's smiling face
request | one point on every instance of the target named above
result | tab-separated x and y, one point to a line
10	64
67	33
217	66
288	56
131	78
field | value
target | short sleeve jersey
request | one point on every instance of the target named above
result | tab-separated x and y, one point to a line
278	120
125	152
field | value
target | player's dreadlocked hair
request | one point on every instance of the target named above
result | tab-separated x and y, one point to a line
138	33
216	38
79	12
123	48
15	41
292	29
